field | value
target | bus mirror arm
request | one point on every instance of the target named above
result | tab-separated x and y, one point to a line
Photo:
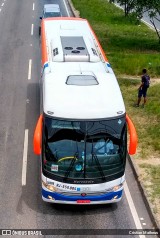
133	136
37	139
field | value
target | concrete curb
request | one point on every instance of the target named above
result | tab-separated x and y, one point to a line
133	165
144	193
74	11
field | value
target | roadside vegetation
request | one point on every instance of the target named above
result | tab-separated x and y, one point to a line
130	47
137	8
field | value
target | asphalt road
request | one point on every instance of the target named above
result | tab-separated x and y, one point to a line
21	206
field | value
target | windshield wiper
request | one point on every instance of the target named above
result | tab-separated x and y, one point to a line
71	166
98	164
49	154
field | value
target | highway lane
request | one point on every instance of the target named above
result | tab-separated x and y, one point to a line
15	50
63	4
21	205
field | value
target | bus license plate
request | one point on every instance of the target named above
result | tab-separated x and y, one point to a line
83	201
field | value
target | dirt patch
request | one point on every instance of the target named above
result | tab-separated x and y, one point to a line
153	80
152	161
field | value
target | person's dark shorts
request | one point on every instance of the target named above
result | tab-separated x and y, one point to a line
142	92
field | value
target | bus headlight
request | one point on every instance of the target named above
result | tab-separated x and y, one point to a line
49	186
117	187
51	198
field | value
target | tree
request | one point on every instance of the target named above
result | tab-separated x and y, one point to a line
129	5
139	7
153	9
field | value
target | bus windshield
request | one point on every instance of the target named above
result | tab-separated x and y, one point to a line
78	150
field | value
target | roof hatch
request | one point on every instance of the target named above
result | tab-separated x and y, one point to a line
81	80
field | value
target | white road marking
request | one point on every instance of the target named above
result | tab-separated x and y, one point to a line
32	26
144	224
29	69
141	218
150	25
2	4
66	8
133	209
25	152
119	6
33	7
0	9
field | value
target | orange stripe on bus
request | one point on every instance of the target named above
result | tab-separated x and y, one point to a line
38	136
43	44
64	18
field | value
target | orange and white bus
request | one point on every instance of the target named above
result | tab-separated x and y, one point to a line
81	134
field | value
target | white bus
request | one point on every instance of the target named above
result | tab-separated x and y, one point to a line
81	134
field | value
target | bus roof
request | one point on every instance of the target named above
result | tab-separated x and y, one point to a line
78	81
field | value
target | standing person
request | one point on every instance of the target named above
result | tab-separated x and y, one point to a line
142	90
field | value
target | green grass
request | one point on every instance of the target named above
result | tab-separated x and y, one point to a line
152	173
128	46
143	117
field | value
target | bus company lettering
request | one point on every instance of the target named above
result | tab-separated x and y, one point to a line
84	181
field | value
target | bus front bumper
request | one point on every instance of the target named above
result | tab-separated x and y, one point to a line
55	197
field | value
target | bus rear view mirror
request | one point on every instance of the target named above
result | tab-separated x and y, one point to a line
37	139
133	136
